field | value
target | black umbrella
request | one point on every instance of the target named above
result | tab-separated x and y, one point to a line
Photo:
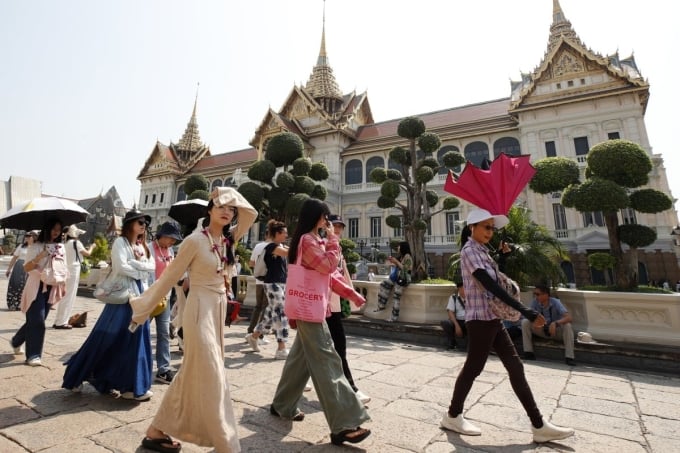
32	215
187	212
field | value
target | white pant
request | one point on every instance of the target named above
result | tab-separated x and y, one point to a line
65	305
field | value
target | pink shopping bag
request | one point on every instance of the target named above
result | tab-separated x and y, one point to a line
307	292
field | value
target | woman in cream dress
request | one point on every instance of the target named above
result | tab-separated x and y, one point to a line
201	414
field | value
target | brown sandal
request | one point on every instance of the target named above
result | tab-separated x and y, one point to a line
353	436
162	444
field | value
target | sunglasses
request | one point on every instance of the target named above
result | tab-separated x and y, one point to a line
489	228
141	222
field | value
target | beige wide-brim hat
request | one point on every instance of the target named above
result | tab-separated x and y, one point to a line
73	231
247	214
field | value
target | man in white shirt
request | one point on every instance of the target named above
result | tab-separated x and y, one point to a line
454	325
260	296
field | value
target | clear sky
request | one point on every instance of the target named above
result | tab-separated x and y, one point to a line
86	87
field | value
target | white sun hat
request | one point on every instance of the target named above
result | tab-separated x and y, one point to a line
479	215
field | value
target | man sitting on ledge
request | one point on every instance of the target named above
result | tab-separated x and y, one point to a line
557	324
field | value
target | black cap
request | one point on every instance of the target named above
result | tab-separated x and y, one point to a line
334	218
169	229
136	215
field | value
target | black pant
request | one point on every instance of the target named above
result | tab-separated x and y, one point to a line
482	336
334	322
450	330
260	305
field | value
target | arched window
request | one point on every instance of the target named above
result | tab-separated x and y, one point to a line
476	152
568	270
353	172
229	182
216	183
643	276
180	193
440	154
507	145
373	162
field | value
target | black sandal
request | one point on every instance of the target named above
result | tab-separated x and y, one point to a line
345	436
298	417
161	444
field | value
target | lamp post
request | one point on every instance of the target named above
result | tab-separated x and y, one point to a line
361	248
375	250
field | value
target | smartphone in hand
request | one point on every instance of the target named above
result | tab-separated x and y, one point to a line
322	232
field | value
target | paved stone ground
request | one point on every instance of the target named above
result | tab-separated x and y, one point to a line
612	410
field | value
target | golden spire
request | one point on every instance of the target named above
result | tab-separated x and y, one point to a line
191	140
321	83
560	27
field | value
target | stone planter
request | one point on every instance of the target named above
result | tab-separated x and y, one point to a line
420	303
625	317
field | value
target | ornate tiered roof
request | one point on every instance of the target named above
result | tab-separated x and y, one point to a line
322	84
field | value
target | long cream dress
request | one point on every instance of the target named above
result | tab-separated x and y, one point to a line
197	406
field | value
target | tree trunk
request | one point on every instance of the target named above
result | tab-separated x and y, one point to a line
623	279
633	267
416	240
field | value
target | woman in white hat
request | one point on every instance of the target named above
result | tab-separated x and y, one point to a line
113	359
197	405
485	331
75	250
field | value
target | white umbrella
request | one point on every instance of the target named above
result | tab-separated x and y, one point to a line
33	214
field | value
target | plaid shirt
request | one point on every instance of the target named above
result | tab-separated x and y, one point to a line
476	256
321	255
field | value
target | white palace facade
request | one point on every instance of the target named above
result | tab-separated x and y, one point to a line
574	99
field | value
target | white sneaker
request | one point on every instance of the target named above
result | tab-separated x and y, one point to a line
363	397
131	396
252	342
35	361
281	354
459	425
549	432
17	349
262	340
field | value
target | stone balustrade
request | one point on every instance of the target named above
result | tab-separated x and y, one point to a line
640	318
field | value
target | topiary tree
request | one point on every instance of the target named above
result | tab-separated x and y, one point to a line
602	262
417	167
351	257
284	179
614	168
195	183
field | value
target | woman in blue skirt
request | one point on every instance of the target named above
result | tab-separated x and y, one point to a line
112	359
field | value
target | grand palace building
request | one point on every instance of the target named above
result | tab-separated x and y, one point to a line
573	99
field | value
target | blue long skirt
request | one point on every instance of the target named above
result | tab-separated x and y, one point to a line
113	358
15	287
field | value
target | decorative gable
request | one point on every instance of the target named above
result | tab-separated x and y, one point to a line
569	71
567	62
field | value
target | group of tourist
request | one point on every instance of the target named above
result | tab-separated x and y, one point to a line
116	357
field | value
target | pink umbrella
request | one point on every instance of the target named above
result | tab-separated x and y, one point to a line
495	189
